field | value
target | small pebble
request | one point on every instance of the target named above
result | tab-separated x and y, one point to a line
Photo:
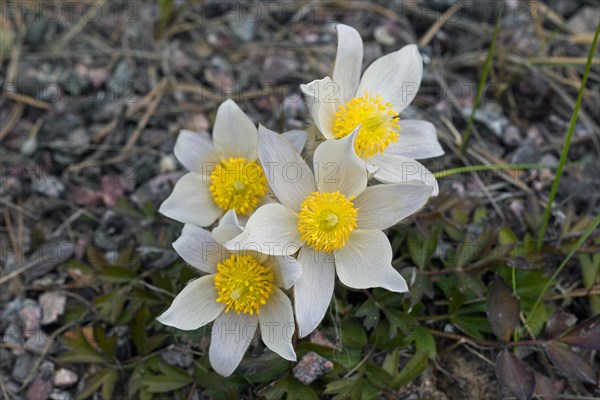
22	367
177	356
168	164
49	186
60	395
311	367
382	36
53	305
30	316
42	385
64	378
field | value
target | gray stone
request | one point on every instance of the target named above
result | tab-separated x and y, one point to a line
41	387
30	317
6	358
60	395
527	152
512	136
65	378
53	306
22	367
311	367
178	356
585	20
49	255
37	342
49	186
243	28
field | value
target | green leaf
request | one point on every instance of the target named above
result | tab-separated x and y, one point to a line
110	306
112	274
96	258
104	376
266	368
470	249
298	391
107	344
378	376
82	357
380	337
348	358
590	269
371	313
503	310
480	214
391	362
347	388
572	364
353	335
515	375
172	378
369	391
424	341
421	250
400	321
108	384
277	389
415	366
164	383
82	351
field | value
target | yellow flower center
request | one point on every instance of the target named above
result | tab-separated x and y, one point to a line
378	121
326	220
243	284
238	185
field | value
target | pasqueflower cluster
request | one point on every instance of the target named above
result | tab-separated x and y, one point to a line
280	227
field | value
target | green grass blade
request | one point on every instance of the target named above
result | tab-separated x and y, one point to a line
579	243
565	151
488	167
481	86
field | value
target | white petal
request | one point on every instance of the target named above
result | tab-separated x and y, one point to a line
322	99
348	62
230	338
400	169
234	134
195	306
272	229
395	76
228	227
191	201
198	248
382	206
314	289
366	261
338	168
277	324
287	271
418	139
290	178
195	151
297	138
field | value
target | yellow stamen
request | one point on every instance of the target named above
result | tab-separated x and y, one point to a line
378	120
238	185
243	284
326	220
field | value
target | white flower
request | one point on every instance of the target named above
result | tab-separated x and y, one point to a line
224	174
240	292
332	217
387	144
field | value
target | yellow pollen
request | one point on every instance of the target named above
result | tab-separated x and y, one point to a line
243	284
326	220
238	185
378	120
